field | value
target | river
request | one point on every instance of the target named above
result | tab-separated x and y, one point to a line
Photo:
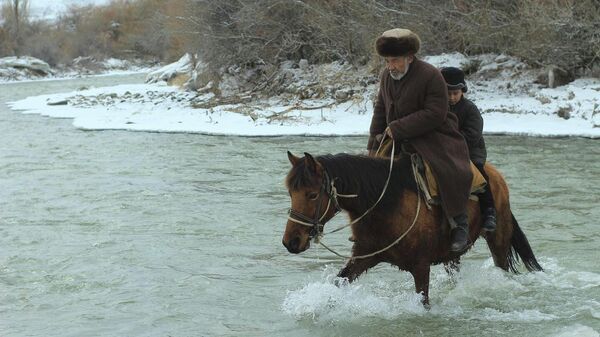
116	233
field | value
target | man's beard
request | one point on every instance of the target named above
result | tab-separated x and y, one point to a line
396	75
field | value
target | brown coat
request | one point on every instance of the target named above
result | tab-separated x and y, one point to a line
416	110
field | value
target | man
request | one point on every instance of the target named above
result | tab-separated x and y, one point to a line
470	125
412	108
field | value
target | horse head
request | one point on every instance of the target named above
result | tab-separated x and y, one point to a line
313	203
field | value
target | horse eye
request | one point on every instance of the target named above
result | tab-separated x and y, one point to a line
313	196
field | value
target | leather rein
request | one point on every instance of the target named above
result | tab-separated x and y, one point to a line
328	188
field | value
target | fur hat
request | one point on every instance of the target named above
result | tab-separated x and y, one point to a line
397	42
455	78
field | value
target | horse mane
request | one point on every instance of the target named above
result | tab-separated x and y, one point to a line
359	174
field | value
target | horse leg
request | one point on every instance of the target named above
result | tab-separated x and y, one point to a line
421	275
355	267
500	250
499	241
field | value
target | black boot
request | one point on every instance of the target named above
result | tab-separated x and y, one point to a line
489	219
460	234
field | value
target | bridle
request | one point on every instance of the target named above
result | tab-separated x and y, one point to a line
316	222
327	187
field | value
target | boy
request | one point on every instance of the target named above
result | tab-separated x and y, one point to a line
470	124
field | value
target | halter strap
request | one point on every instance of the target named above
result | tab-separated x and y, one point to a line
317	223
329	187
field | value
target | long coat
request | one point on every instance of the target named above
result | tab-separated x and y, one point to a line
470	125
416	110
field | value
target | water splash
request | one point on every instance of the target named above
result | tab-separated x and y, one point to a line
577	330
322	300
479	292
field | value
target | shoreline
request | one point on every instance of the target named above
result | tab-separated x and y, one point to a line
520	109
76	77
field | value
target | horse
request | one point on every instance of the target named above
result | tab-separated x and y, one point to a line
321	187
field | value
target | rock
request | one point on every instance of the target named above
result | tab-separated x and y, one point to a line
564	112
557	77
343	94
303	64
501	58
168	72
87	62
543	99
59	102
26	62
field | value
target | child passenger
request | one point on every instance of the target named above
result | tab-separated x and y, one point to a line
470	124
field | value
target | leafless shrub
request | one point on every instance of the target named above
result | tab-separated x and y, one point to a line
15	14
263	33
558	32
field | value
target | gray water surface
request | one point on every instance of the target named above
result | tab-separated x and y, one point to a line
114	233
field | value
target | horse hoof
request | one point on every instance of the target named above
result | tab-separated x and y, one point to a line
340	282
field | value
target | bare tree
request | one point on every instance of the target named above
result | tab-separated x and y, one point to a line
16	16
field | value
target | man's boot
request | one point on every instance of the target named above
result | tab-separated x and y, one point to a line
460	234
489	219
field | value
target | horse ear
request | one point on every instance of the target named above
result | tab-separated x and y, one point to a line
311	163
293	159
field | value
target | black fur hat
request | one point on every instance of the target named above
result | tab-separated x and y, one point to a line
397	42
455	78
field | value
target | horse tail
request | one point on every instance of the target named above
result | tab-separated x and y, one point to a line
520	248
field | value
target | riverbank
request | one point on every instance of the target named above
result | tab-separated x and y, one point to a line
27	69
504	89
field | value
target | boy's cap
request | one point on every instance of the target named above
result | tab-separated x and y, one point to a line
455	78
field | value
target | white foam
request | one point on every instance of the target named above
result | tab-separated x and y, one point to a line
479	292
327	302
577	330
518	316
556	276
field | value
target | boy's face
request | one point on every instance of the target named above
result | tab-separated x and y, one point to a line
454	96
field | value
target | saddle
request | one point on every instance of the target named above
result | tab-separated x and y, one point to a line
425	177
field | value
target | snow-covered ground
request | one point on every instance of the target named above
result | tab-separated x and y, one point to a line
502	88
27	68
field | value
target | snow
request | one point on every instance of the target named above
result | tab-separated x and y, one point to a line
166	73
27	68
24	62
520	108
457	60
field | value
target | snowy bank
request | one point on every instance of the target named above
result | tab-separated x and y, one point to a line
503	88
27	68
17	68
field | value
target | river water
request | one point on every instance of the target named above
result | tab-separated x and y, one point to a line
115	233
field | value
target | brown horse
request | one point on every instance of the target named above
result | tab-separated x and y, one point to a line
315	184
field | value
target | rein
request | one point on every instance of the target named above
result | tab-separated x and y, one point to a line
414	168
328	188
